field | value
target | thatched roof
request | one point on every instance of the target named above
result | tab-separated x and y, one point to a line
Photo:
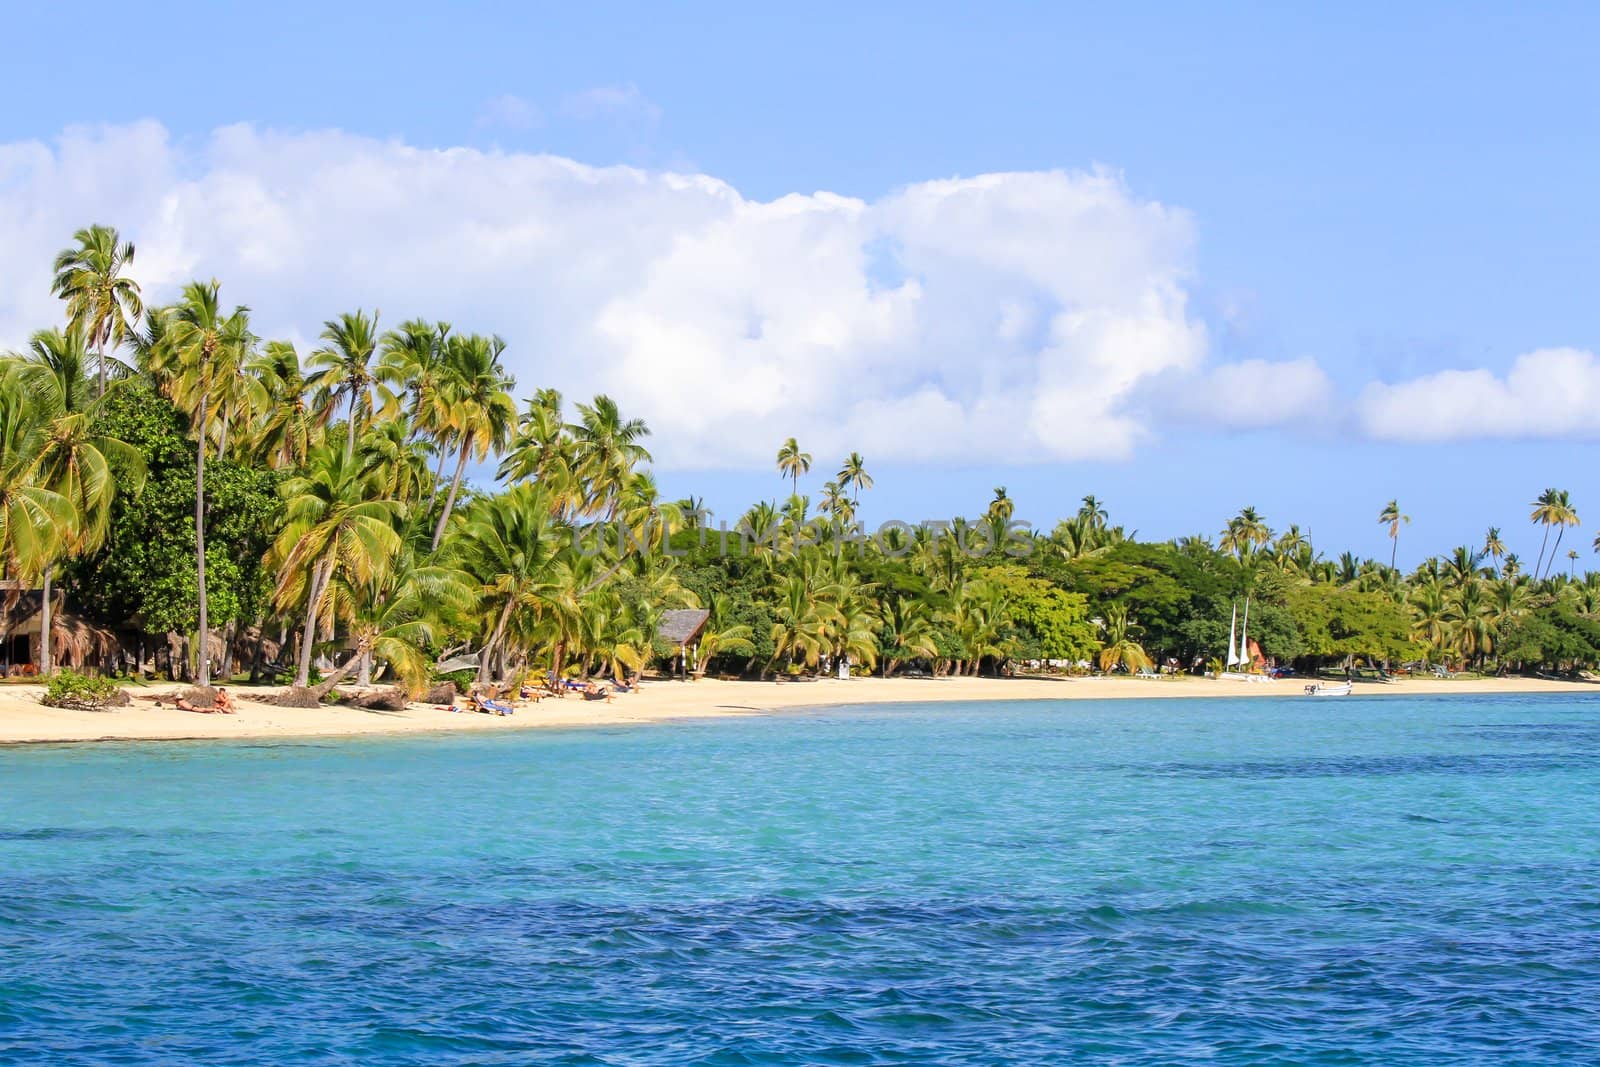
682	625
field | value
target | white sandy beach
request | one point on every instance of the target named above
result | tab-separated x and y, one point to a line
23	719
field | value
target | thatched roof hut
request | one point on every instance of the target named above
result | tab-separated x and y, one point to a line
681	626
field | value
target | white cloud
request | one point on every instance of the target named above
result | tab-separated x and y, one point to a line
1548	393
615	102
511	111
1255	394
1010	317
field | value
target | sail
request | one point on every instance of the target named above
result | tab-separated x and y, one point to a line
1244	636
1233	630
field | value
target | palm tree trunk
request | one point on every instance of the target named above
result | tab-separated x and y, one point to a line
1561	531
204	675
364	674
494	642
45	666
302	677
1394	547
350	435
1542	543
100	358
455	486
438	475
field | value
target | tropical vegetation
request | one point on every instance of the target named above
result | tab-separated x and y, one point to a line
212	503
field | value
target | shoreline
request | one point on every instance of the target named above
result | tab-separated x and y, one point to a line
24	721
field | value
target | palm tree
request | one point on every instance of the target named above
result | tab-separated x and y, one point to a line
836	502
102	304
721	636
87	469
1120	648
33	517
1563	514
53	371
1002	507
334	527
1493	547
287	429
342	369
73	460
606	448
907	633
199	347
792	463
853	475
1572	563
1545	510
511	544
1094	513
1244	533
482	412
1462	566
1390	516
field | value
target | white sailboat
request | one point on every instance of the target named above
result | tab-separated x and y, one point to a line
1233	624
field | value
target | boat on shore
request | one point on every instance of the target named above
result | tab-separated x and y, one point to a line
1329	689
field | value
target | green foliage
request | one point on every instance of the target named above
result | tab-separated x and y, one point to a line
145	570
1051	622
68	689
1337	621
1551	636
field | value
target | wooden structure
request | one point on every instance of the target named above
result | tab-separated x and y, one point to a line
681	627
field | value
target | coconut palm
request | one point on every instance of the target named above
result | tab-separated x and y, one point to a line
792	463
1390	516
606	449
1244	533
334	527
721	635
53	371
853	476
103	304
836	502
1493	546
1563	515
197	347
907	633
1002	506
482	412
1543	515
1094	513
1572	563
1119	649
511	543
287	427
343	371
34	517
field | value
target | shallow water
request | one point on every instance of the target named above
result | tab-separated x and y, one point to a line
1257	881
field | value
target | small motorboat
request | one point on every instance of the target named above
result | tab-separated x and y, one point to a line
1327	689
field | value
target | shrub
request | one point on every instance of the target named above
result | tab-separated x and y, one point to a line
69	689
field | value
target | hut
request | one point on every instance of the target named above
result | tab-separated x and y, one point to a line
680	628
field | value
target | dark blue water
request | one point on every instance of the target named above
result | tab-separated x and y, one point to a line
1363	881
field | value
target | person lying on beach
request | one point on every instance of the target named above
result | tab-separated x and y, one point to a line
597	691
224	706
492	707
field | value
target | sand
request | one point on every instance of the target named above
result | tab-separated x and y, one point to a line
24	720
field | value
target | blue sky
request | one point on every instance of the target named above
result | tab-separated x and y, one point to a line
1386	194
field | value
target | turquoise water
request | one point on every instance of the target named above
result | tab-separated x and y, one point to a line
1361	881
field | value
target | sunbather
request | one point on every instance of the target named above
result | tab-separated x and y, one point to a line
491	707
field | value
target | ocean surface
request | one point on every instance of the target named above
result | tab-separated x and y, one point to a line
1393	881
